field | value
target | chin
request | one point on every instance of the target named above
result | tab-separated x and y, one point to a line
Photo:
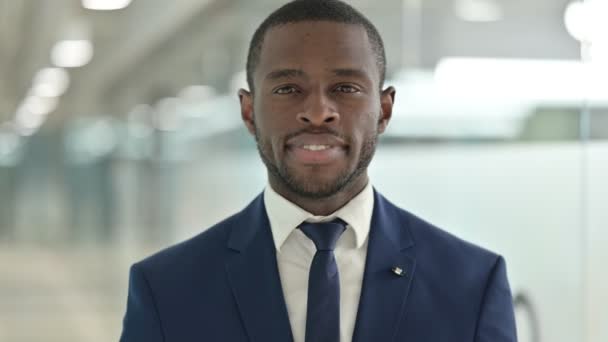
317	186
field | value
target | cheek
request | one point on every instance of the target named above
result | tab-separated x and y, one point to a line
365	126
272	115
268	138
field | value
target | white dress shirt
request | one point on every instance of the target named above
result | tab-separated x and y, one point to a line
295	252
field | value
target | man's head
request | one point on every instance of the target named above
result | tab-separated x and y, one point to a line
315	69
314	11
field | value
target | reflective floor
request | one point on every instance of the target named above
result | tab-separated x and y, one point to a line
62	294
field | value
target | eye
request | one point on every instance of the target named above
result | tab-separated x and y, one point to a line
345	88
285	90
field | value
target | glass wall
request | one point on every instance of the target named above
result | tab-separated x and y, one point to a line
120	134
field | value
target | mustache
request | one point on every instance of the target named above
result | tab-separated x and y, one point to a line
324	130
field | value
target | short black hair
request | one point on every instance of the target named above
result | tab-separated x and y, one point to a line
315	10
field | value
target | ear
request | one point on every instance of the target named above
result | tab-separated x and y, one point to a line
246	100
387	99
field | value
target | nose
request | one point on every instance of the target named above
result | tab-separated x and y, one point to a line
319	111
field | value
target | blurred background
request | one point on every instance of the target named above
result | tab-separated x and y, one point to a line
120	134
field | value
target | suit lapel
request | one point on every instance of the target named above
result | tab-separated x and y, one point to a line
384	293
254	277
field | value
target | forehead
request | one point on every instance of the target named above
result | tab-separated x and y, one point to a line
311	46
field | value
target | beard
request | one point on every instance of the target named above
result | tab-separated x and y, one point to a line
311	188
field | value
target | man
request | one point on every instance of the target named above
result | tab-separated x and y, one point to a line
320	256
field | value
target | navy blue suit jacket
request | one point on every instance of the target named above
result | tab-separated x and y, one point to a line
224	285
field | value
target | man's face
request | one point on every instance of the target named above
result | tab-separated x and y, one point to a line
317	109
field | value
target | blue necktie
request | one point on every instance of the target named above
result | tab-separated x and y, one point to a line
323	308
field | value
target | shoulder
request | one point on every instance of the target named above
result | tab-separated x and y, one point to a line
460	284
205	250
450	272
444	250
441	242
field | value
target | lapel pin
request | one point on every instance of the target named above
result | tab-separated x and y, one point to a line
398	271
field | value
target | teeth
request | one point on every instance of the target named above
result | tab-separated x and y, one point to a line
315	147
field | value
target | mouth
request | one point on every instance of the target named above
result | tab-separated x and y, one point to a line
316	154
316	149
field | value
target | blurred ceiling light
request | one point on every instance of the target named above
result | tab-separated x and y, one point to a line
139	119
50	82
168	114
105	5
586	22
197	93
195	100
39	105
575	19
88	140
478	10
72	53
27	123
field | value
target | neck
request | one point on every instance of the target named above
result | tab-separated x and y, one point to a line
326	205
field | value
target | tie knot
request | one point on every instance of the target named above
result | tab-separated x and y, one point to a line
325	235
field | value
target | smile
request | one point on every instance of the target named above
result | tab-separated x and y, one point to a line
316	147
315	154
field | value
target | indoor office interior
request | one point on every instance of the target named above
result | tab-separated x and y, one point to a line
120	134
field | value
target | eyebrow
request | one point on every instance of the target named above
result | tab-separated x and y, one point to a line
294	73
285	73
348	72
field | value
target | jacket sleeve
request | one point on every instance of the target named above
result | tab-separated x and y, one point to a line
496	321
141	322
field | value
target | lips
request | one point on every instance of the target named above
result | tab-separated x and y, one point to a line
316	149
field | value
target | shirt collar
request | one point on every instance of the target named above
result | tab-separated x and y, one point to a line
285	216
